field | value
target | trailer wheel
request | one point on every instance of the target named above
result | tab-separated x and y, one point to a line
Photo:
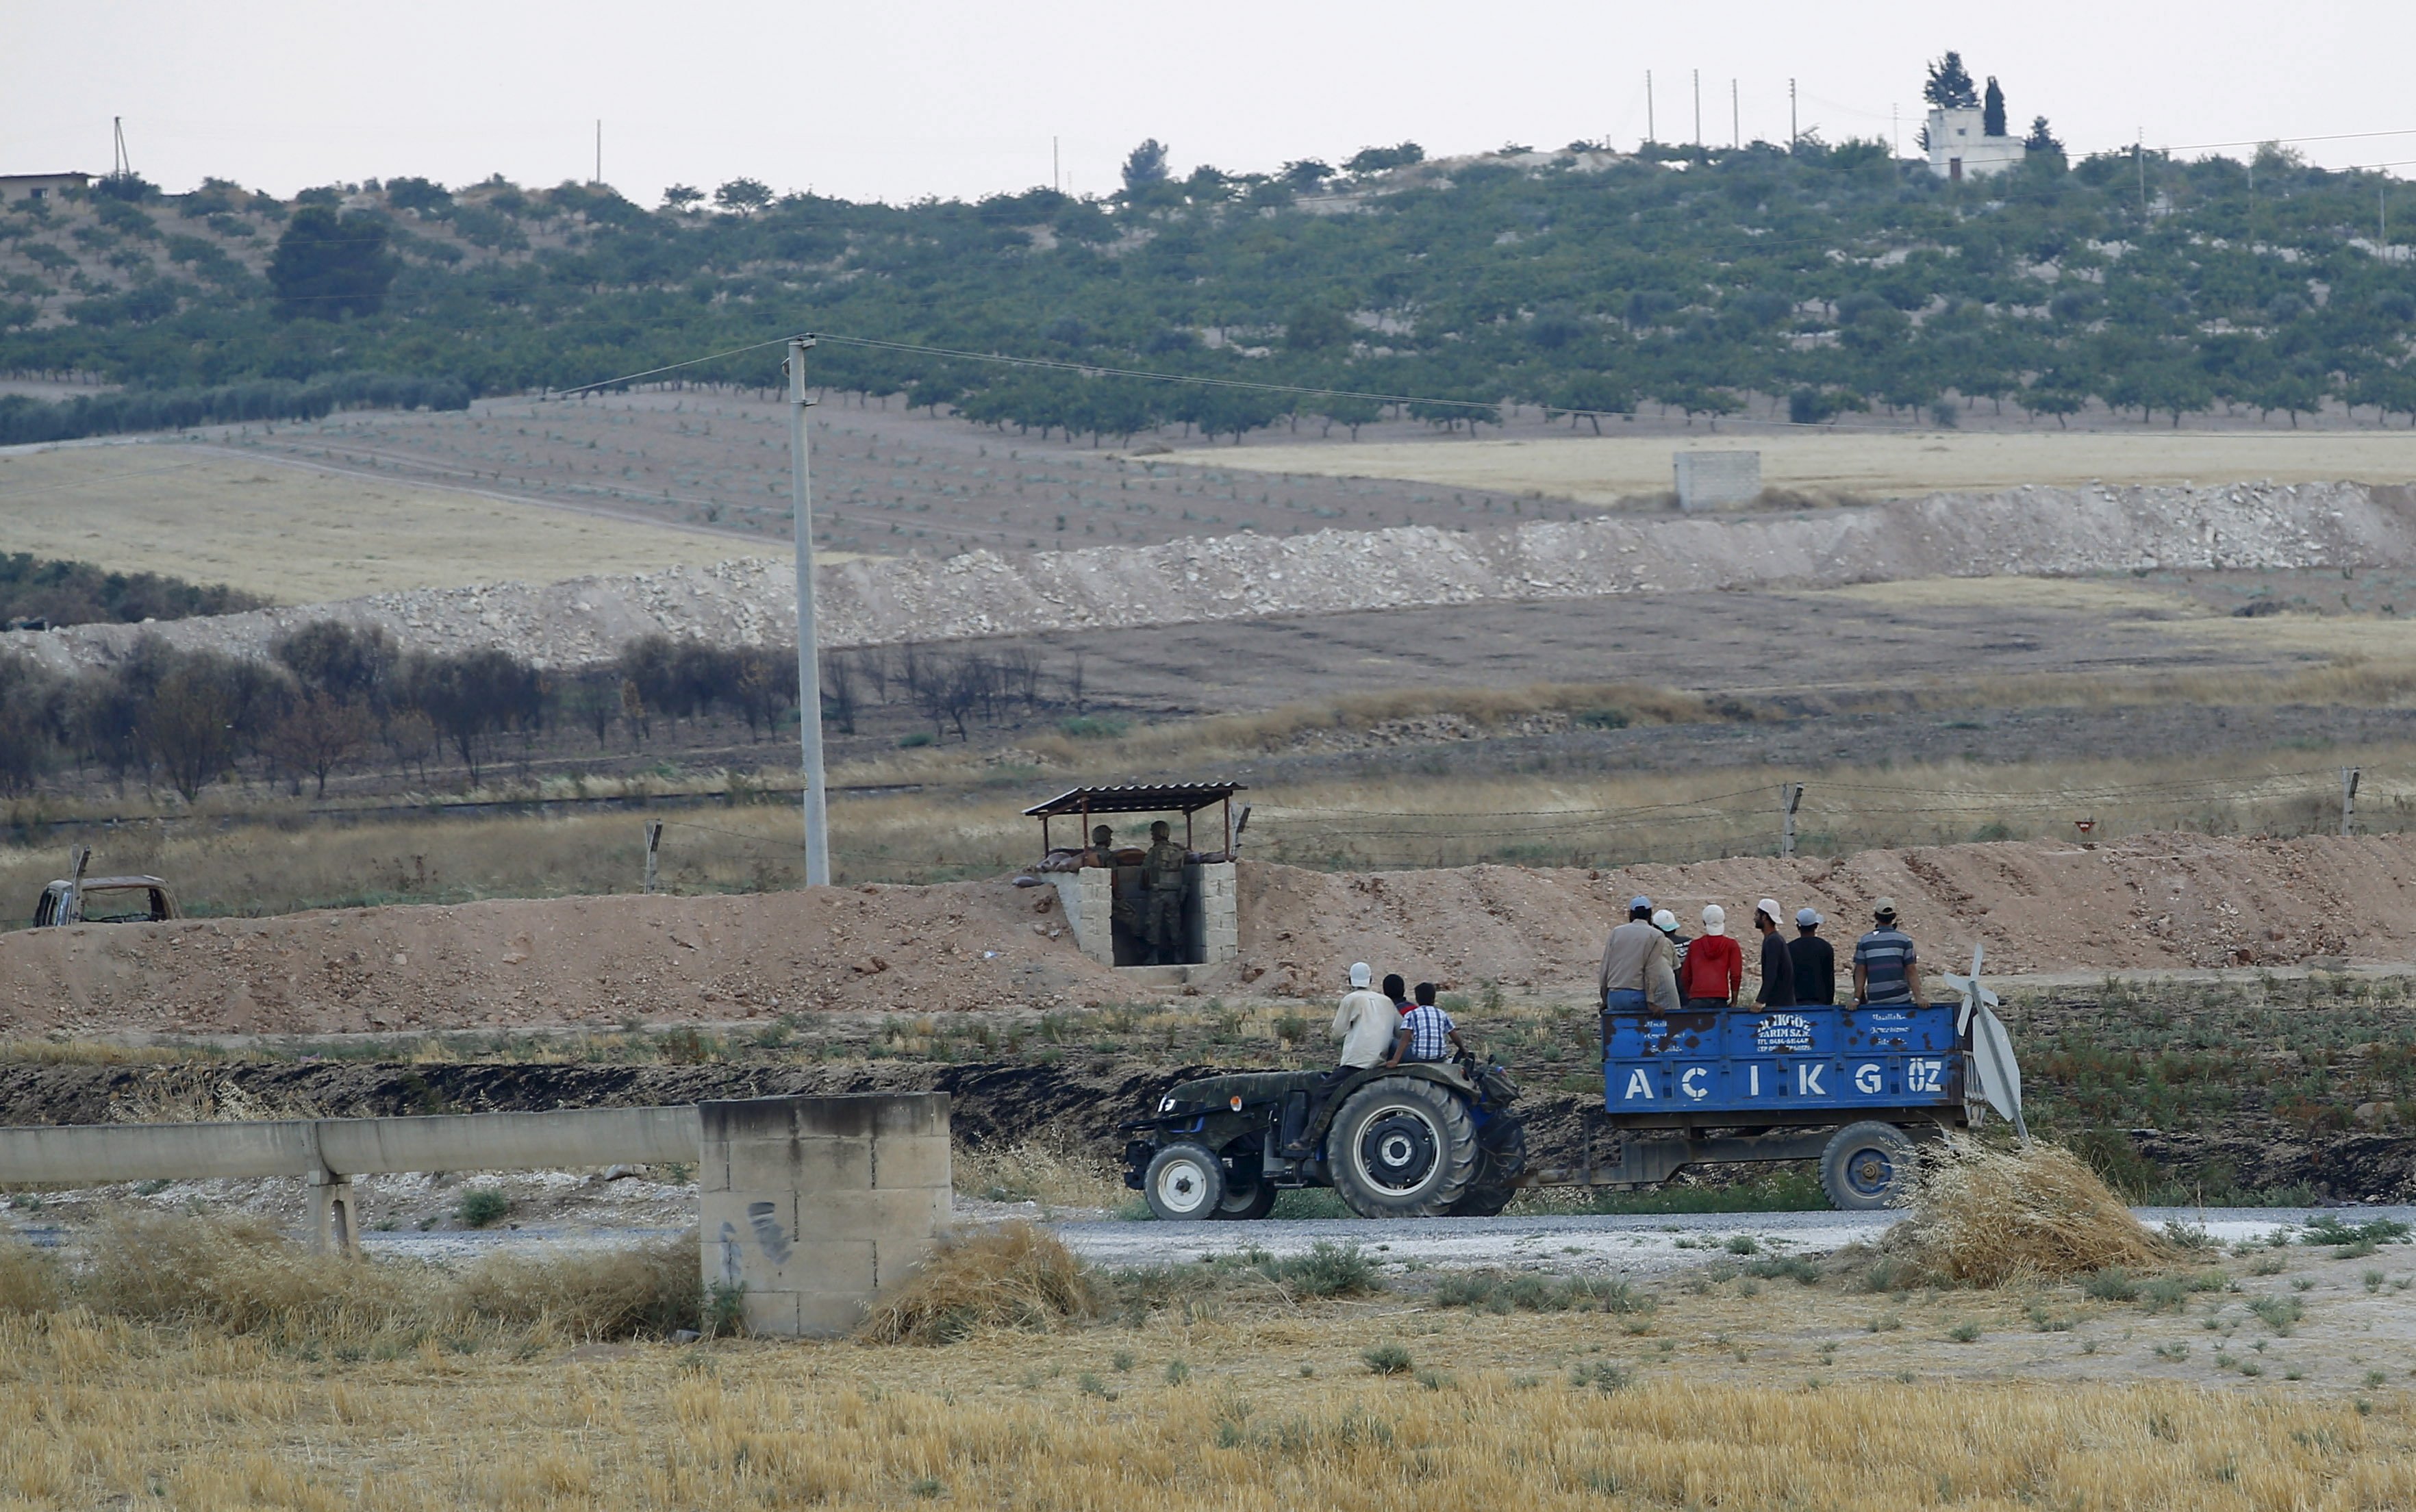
1402	1148
1867	1166
1184	1183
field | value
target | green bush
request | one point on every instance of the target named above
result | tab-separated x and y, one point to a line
482	1207
1386	1360
2112	1284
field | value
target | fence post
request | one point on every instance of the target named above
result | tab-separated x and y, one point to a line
654	840
1792	794
2349	798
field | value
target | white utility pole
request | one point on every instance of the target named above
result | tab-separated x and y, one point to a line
1056	167
1736	120
1793	136
1699	107
599	153
810	670
1648	107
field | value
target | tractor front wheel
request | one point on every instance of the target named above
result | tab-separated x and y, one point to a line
1402	1147
1866	1166
1184	1183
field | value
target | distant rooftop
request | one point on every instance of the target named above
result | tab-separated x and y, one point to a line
1136	798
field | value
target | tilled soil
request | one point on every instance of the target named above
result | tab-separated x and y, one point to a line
1076	1103
2162	900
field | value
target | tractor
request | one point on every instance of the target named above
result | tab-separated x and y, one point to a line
1422	1140
1852	1088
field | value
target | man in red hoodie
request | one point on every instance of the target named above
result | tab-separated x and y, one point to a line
1715	966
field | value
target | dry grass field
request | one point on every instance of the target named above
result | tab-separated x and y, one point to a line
192	1372
299	534
1830	464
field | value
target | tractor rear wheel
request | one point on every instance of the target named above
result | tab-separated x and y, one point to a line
1184	1183
1867	1166
1501	1159
1243	1204
1402	1147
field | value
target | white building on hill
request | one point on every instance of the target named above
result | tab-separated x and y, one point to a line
1958	150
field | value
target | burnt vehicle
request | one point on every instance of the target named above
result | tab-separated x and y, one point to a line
77	899
1426	1138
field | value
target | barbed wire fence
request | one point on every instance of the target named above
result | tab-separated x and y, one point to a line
1811	817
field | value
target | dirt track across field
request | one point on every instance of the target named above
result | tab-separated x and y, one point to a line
2157	901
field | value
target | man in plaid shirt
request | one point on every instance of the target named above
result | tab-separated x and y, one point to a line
1428	1033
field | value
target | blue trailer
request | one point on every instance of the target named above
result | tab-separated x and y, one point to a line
1851	1087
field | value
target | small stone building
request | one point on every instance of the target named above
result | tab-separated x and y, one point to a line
1089	887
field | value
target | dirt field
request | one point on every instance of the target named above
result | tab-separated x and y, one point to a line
299	534
2149	901
1605	470
886	481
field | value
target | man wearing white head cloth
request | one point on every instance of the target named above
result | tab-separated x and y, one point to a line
1366	1023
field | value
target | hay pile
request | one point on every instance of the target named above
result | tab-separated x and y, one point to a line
1988	1218
1011	1277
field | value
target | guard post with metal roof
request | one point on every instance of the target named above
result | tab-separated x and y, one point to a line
1088	886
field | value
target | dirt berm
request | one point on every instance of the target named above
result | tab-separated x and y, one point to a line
2152	901
2027	531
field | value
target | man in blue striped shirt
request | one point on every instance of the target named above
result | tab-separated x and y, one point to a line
1428	1033
1886	973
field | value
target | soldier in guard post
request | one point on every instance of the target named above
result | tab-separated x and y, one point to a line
1161	880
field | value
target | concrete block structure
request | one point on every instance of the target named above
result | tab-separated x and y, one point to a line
1211	929
1960	148
1715	480
817	1206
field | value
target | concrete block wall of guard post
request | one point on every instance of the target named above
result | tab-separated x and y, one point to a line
818	1205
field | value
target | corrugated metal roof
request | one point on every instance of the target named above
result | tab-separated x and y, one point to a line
1136	798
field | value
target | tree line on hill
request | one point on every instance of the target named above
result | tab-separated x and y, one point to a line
44	591
1831	280
332	698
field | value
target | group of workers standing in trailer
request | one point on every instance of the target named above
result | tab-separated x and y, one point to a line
1649	964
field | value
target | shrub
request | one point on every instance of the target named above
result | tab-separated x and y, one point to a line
1495	1292
1094	727
2112	1284
1386	1360
1601	1375
482	1207
1328	1270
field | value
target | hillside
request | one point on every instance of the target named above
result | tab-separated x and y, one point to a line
1807	285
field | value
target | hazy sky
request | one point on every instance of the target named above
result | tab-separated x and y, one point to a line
903	98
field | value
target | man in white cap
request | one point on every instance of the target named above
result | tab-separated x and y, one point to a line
1816	963
1366	1023
1715	966
1778	966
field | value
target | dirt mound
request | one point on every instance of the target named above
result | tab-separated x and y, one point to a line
2170	902
2151	901
884	601
570	960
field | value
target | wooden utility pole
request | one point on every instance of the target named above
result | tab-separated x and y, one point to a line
654	843
2349	798
810	672
1792	794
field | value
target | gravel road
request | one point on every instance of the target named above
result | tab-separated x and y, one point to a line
1648	1244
